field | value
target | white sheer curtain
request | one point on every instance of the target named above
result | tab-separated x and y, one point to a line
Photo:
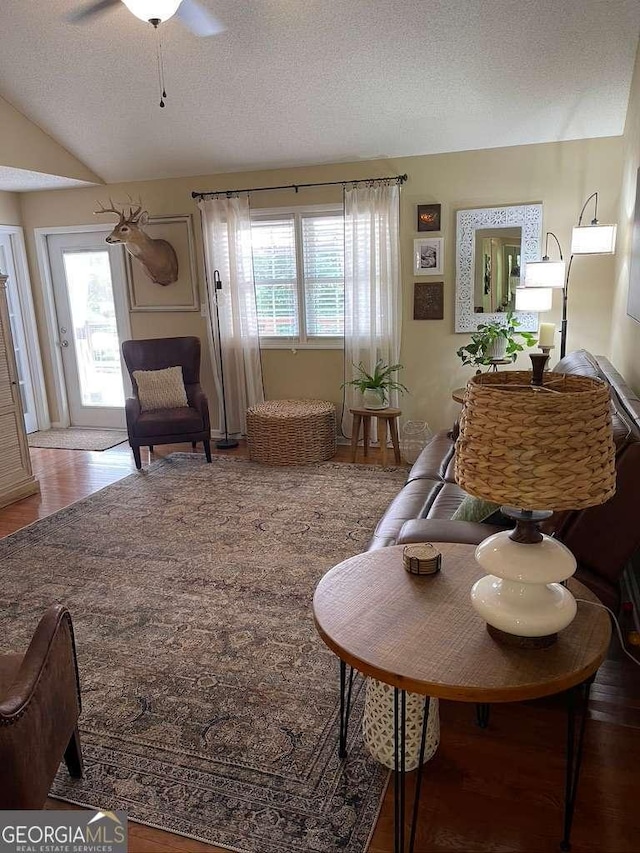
373	295
227	244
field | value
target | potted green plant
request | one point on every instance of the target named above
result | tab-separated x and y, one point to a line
375	386
497	339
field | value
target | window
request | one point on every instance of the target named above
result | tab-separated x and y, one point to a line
298	266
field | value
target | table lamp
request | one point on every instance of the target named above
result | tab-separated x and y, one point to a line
535	448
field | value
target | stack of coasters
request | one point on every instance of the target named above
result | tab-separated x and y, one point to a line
422	558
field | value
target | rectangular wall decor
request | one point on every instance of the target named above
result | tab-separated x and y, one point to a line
182	295
428	300
429	217
428	256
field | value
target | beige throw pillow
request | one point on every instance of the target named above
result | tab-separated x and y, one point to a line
160	389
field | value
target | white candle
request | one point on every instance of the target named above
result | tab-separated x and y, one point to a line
546	334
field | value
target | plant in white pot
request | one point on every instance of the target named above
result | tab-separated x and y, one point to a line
375	386
496	340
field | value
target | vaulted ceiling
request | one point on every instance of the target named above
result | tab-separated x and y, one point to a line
294	82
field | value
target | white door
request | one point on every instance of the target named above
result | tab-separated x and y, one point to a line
91	308
25	377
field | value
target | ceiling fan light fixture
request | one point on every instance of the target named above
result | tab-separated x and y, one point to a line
148	10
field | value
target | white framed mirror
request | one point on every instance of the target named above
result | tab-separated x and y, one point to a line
493	245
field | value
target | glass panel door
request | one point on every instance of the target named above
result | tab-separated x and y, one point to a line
96	347
89	284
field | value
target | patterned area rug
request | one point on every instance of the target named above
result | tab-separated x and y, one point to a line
77	439
210	703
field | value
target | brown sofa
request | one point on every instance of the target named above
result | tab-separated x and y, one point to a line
602	538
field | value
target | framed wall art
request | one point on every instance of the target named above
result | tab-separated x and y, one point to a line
429	217
428	300
428	256
182	295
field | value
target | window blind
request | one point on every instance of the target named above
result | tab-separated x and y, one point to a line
275	274
323	275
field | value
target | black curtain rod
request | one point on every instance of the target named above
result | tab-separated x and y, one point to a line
399	178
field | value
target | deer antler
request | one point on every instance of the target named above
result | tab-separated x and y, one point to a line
134	215
112	209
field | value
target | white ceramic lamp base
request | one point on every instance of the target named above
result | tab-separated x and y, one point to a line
521	597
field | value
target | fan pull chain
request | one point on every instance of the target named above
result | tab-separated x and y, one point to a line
160	62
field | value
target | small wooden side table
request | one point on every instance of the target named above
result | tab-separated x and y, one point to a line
385	416
421	634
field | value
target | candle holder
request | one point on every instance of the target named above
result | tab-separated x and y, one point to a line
538	362
546	336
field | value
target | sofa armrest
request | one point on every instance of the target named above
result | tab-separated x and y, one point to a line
132	411
198	400
445	530
48	674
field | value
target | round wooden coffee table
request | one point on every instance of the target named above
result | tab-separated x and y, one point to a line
421	634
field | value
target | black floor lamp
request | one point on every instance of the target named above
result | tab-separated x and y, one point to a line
225	443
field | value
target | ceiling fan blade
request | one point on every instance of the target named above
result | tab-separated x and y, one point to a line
199	20
86	12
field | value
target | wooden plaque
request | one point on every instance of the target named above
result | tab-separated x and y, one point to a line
428	300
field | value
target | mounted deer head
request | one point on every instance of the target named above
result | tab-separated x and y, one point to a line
158	257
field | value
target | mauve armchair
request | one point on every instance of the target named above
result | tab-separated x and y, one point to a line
167	426
39	710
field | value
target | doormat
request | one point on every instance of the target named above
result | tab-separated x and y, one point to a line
77	439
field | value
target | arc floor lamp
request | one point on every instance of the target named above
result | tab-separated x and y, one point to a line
591	239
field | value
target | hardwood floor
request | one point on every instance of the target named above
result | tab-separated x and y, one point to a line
498	789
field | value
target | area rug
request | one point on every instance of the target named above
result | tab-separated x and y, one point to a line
210	705
74	438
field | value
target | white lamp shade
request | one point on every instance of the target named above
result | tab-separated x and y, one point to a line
534	298
544	274
147	10
593	240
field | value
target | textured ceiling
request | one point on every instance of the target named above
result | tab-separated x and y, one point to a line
295	82
22	180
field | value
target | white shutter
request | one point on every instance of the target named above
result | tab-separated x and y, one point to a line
275	275
323	274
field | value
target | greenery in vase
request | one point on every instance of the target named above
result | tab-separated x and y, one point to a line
486	335
381	380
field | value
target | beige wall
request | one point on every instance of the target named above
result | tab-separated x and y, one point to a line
23	145
10	209
560	175
625	332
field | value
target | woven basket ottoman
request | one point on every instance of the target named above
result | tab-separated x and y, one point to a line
291	432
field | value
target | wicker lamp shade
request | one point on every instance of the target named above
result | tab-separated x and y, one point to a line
548	447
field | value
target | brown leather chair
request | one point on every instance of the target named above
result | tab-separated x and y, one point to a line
167	426
39	710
